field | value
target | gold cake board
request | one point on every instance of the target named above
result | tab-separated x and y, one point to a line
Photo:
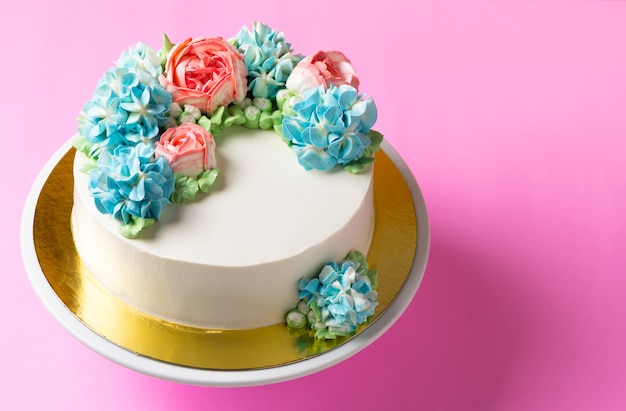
210	356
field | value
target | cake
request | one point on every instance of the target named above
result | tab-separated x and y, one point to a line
228	184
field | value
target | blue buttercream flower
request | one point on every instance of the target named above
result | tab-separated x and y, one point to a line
123	111
130	183
330	127
268	57
142	60
341	297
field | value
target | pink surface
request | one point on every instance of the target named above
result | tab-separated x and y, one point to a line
512	116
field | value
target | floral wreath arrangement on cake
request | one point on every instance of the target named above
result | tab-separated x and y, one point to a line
149	130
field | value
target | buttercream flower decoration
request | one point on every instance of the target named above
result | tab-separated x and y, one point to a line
132	185
332	127
188	148
142	59
338	300
206	73
125	110
190	151
268	57
324	68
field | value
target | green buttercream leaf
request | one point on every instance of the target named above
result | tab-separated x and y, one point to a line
317	313
134	227
373	276
236	113
207	178
265	121
205	123
355	167
356	255
218	115
216	122
327	334
277	117
377	139
323	333
167	45
89	166
185	188
81	144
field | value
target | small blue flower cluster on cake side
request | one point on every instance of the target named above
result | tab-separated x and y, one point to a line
340	298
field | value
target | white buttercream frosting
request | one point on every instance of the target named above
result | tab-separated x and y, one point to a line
231	258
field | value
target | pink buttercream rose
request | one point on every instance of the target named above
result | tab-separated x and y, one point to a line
206	73
189	149
322	68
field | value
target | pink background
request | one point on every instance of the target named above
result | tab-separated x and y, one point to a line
512	117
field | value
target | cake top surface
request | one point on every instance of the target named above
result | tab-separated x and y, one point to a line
259	211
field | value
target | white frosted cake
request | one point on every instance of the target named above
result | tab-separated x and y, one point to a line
215	180
231	259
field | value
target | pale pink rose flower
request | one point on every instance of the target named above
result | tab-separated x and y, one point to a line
206	73
322	68
189	149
